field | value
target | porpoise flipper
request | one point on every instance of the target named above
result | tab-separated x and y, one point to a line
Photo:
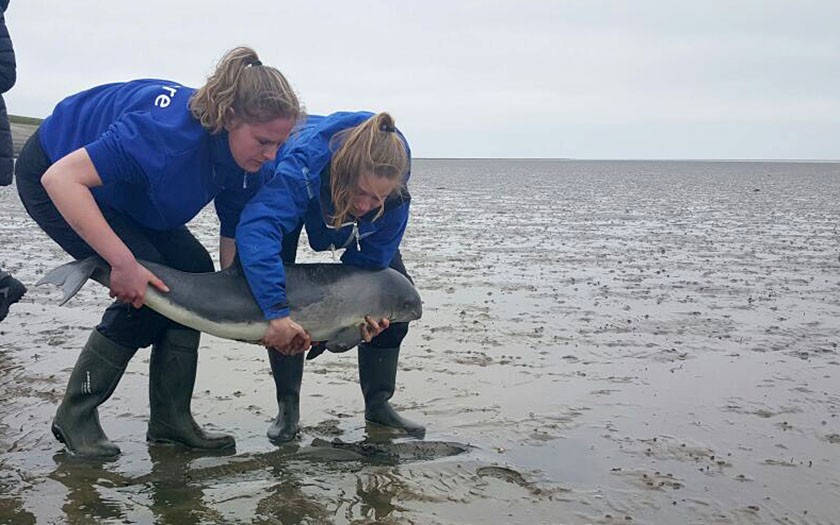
316	350
342	341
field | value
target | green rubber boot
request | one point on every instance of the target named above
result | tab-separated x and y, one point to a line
288	374
94	378
171	380
378	377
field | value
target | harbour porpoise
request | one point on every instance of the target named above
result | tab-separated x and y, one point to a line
329	301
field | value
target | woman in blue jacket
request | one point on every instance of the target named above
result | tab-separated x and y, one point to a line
344	178
117	171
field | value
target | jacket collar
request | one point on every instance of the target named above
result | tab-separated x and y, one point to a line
220	152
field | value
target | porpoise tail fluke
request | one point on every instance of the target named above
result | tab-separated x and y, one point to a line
72	276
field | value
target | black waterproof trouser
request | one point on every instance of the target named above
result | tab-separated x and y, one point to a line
178	248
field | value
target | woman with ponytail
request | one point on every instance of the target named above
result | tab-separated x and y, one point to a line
117	171
344	178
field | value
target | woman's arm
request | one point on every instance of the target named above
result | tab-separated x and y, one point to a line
274	212
68	183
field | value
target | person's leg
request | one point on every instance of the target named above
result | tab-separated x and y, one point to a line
102	361
100	366
288	375
122	330
174	356
174	360
94	378
286	370
378	363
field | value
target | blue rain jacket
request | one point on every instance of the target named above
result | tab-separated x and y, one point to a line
300	192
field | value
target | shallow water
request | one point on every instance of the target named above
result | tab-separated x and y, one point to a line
618	342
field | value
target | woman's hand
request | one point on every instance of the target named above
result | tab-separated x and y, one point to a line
129	281
371	328
286	336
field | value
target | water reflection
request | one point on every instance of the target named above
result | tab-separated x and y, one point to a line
286	502
377	492
175	497
11	506
88	481
294	483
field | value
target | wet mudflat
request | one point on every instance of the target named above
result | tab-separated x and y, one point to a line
616	342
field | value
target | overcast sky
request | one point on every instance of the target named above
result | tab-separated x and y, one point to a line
584	79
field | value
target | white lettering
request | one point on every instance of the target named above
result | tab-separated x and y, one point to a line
163	101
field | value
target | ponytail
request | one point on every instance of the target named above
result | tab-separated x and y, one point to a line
244	88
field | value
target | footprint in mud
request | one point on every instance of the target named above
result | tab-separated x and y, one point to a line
508	475
502	473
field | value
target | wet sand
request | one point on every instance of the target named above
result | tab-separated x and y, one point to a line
617	342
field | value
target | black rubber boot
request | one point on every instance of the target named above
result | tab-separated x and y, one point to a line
378	377
171	380
288	374
95	376
11	290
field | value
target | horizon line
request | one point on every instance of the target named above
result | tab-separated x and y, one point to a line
24	120
619	159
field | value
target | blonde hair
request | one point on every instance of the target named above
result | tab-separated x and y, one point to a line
373	147
244	88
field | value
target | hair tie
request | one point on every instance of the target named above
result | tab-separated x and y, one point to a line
387	129
255	63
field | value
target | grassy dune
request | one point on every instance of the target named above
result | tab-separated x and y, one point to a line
17	119
22	128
